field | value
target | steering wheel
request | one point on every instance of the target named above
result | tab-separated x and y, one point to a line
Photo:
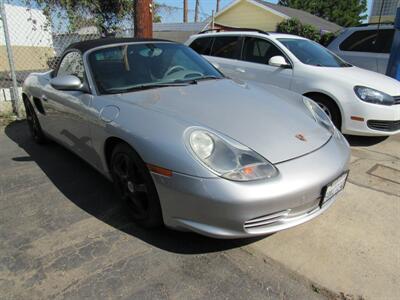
192	74
173	70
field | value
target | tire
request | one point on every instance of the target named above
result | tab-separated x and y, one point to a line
34	124
330	108
135	187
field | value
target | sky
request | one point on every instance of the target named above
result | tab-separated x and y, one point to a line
206	7
176	14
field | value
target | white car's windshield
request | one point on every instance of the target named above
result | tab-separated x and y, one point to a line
311	53
131	67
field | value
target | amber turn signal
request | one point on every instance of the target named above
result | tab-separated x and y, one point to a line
355	118
159	170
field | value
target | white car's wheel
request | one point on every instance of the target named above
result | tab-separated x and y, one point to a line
326	110
329	107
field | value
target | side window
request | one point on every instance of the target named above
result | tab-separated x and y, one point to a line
72	64
225	46
360	41
259	50
202	45
385	40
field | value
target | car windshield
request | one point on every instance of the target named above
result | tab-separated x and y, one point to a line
139	66
311	53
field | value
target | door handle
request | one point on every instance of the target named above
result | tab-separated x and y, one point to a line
240	70
44	98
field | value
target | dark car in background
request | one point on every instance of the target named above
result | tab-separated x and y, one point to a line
366	46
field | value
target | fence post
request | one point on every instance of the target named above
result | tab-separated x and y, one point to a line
15	95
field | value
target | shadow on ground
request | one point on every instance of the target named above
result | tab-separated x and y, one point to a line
365	141
91	192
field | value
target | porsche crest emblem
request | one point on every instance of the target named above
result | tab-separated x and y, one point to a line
301	137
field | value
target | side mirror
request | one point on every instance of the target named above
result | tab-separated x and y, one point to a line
278	61
67	83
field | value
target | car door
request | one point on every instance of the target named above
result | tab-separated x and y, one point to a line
359	49
254	65
224	53
384	47
68	110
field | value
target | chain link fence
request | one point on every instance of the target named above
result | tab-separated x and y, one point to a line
30	42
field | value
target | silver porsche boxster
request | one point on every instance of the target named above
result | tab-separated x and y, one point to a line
184	145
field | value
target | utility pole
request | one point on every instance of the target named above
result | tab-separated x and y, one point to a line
144	19
196	11
185	11
218	2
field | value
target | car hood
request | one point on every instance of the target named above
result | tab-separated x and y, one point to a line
264	118
357	76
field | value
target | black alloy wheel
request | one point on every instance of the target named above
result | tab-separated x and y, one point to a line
134	185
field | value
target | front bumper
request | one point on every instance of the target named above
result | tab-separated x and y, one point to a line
221	208
379	120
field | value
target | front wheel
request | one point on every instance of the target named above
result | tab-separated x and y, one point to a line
134	185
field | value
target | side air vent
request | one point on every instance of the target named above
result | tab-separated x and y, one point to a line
39	105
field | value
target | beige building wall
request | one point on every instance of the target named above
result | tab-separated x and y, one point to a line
247	15
26	58
375	19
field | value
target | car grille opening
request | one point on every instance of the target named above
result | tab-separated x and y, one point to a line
282	217
384	125
397	100
267	219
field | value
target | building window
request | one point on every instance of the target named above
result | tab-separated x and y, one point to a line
389	7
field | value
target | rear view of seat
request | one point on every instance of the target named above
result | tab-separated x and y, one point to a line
110	74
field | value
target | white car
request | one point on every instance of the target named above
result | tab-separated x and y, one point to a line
359	102
365	46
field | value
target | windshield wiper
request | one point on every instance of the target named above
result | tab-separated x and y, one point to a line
150	86
196	79
207	77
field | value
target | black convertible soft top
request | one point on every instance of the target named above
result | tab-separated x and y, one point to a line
90	44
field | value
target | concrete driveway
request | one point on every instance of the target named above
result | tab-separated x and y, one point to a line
355	246
63	235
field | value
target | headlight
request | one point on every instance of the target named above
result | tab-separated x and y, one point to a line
228	158
373	96
319	115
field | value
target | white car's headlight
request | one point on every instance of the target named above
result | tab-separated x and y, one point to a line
228	158
319	115
373	96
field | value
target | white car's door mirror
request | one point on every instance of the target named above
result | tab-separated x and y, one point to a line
67	83
278	61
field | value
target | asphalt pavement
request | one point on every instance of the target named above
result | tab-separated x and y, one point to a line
63	235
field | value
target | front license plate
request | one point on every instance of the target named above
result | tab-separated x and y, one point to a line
332	189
